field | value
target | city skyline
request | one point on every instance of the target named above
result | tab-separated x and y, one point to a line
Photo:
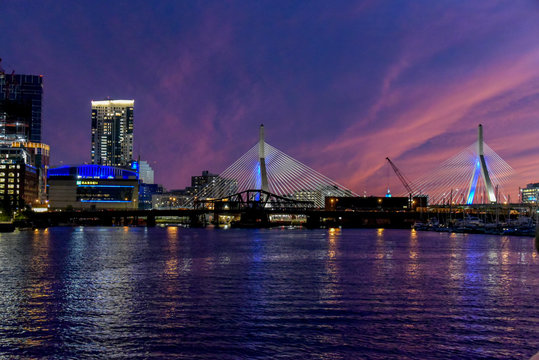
339	87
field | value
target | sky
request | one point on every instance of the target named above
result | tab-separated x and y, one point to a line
338	85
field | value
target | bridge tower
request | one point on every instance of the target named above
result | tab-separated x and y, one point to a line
262	161
480	167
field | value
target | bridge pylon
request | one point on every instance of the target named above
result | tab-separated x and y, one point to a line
262	161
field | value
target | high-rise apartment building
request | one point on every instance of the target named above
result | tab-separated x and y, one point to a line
112	132
20	107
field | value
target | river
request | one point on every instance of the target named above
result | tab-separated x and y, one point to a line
127	292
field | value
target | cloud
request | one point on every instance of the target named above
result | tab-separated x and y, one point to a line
339	87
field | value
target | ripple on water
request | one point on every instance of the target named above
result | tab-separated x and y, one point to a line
195	293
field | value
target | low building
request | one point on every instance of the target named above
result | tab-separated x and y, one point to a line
530	194
146	193
93	187
173	199
374	203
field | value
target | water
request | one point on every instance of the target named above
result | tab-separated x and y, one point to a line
266	294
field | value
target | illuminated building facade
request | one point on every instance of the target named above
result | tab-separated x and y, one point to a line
530	194
39	159
20	141
146	192
373	203
200	181
112	132
174	199
18	179
93	187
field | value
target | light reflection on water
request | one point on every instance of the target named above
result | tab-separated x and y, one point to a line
195	293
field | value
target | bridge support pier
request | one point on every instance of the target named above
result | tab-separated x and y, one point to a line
106	221
196	222
254	218
150	221
313	222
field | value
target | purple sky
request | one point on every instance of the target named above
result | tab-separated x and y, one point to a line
339	85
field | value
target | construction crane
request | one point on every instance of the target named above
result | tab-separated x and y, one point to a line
405	182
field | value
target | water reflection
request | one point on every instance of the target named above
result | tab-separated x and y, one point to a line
194	293
413	263
331	288
36	314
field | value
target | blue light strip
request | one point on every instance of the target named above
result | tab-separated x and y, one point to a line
469	201
107	186
107	201
258	176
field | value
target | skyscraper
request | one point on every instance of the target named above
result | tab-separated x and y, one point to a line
24	160
112	132
20	107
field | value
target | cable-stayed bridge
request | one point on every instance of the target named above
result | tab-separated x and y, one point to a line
263	167
476	175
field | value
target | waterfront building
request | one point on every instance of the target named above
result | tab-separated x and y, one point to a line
20	138
146	173
112	132
530	194
18	179
93	187
173	199
374	203
39	159
318	196
20	107
146	193
314	196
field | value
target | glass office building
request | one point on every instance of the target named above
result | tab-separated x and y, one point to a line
20	107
